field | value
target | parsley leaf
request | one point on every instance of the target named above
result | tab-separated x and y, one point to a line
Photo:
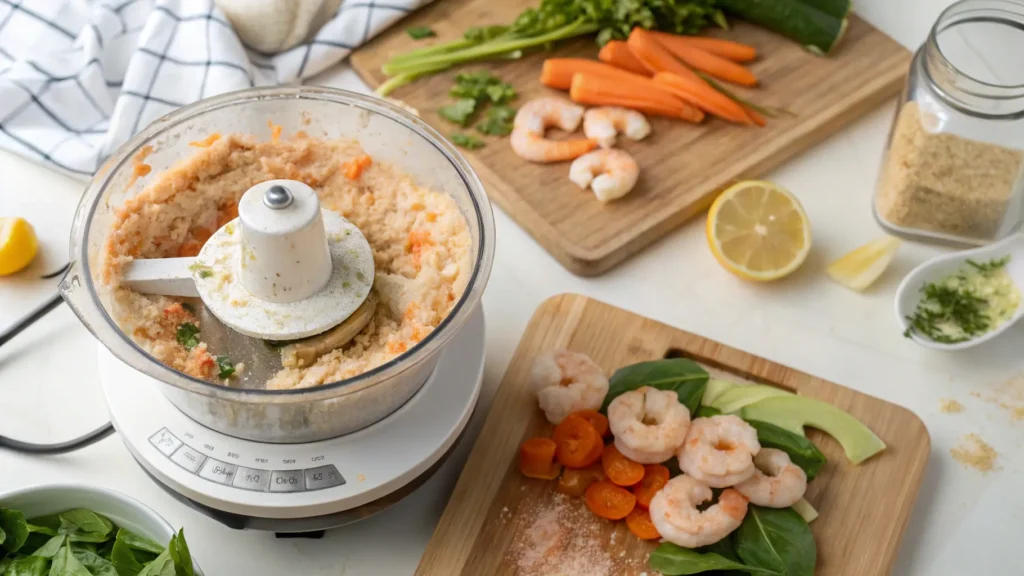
188	335
227	368
461	112
498	121
482	86
420	32
467	141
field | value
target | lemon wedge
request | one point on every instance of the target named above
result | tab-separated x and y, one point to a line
758	231
18	244
860	268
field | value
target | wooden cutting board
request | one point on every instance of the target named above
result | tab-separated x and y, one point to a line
864	509
682	165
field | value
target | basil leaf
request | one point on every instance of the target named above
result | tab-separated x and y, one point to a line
51	523
3	536
136	542
682	375
802	451
15	529
97	565
420	32
706	412
27	566
82	521
180	555
66	564
4	563
106	550
45	530
672	560
776	539
52	546
123	559
162	566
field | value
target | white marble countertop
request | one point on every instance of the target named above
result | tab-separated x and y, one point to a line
49	388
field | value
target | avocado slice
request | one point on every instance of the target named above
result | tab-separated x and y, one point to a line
735	398
793	412
715	388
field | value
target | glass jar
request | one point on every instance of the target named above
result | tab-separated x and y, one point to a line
953	163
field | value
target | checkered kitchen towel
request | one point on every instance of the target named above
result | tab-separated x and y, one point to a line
79	77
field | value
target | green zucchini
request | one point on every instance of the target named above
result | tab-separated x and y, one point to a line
816	30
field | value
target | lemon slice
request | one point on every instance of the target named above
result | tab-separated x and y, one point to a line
860	268
758	231
18	244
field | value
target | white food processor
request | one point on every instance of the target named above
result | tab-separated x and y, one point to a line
295	460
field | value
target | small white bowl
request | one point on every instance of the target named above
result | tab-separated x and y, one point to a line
908	295
122	510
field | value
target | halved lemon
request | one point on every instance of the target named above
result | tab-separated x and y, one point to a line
18	244
758	231
859	268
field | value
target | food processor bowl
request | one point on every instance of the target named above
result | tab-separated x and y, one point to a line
387	133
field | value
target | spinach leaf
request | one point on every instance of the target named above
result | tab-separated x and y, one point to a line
52	546
123	559
15	529
420	32
801	451
180	555
163	565
45	530
85	525
28	566
66	564
4	563
671	560
682	375
97	565
50	522
106	550
3	536
461	112
136	542
706	412
777	540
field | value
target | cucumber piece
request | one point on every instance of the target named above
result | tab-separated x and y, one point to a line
816	30
736	398
715	388
805	510
793	412
835	8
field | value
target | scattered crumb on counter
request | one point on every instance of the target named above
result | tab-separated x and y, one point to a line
361	477
1009	395
950	406
563	538
975	453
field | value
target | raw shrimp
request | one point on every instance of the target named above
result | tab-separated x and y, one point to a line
604	123
674	513
567	381
719	450
537	116
776	483
649	425
611	174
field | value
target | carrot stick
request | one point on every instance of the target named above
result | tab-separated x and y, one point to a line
617	53
702	95
707	62
653	55
558	72
730	49
601	91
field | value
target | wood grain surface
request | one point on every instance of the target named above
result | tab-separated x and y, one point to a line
864	509
682	165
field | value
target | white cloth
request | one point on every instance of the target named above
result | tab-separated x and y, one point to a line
78	78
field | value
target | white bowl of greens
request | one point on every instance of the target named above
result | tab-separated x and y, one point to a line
80	530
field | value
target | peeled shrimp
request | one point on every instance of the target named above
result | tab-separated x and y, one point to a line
719	450
567	381
674	513
604	123
649	425
611	174
537	116
776	483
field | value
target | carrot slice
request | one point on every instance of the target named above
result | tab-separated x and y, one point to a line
735	51
699	93
537	459
654	56
620	470
354	167
639	523
602	91
576	441
575	481
597	420
618	54
716	66
609	501
558	72
655	478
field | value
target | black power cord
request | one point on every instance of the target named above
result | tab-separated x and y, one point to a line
60	447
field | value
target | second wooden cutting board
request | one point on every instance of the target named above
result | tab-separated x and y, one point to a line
682	166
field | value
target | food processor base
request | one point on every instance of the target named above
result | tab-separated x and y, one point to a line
294	488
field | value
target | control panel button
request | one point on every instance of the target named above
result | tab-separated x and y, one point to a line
188	458
165	442
219	472
252	479
323	477
287	481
